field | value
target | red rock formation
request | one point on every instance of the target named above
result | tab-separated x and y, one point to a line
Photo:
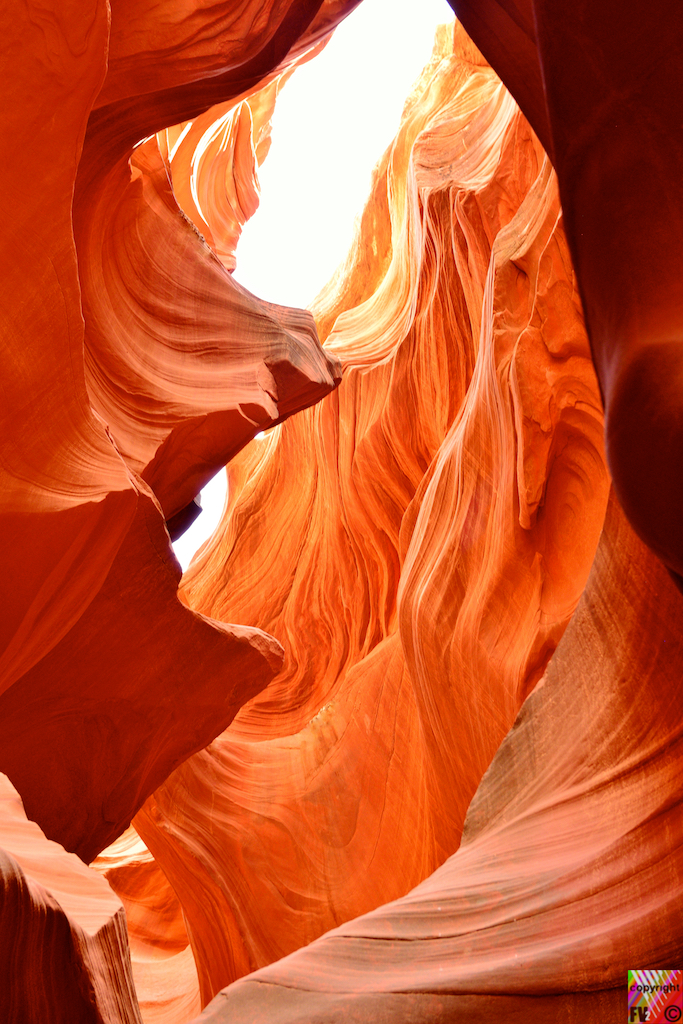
606	100
430	561
97	703
616	130
571	864
62	932
214	162
505	32
83	760
94	705
163	964
184	371
418	541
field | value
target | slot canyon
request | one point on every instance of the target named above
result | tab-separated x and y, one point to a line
404	743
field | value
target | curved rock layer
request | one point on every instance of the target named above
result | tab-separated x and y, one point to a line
418	542
112	428
107	682
607	102
571	864
215	54
163	964
184	369
214	161
63	943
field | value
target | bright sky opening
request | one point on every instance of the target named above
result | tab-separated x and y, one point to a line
333	120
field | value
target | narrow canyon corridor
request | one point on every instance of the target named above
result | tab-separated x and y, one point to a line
404	743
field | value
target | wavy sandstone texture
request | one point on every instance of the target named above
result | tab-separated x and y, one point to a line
571	862
607	102
419	560
113	428
62	931
163	965
107	681
450	787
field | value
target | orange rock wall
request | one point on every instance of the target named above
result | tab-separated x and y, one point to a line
109	292
162	961
418	541
434	774
127	385
606	102
64	941
570	865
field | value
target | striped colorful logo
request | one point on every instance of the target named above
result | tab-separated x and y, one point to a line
655	997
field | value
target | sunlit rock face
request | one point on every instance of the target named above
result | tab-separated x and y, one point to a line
571	859
419	541
606	102
162	961
133	366
435	771
111	427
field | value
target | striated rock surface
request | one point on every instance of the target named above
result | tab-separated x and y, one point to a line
617	139
214	161
163	964
505	32
111	428
570	865
63	943
606	101
184	371
450	787
418	542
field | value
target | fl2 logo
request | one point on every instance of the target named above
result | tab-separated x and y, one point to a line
642	1013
